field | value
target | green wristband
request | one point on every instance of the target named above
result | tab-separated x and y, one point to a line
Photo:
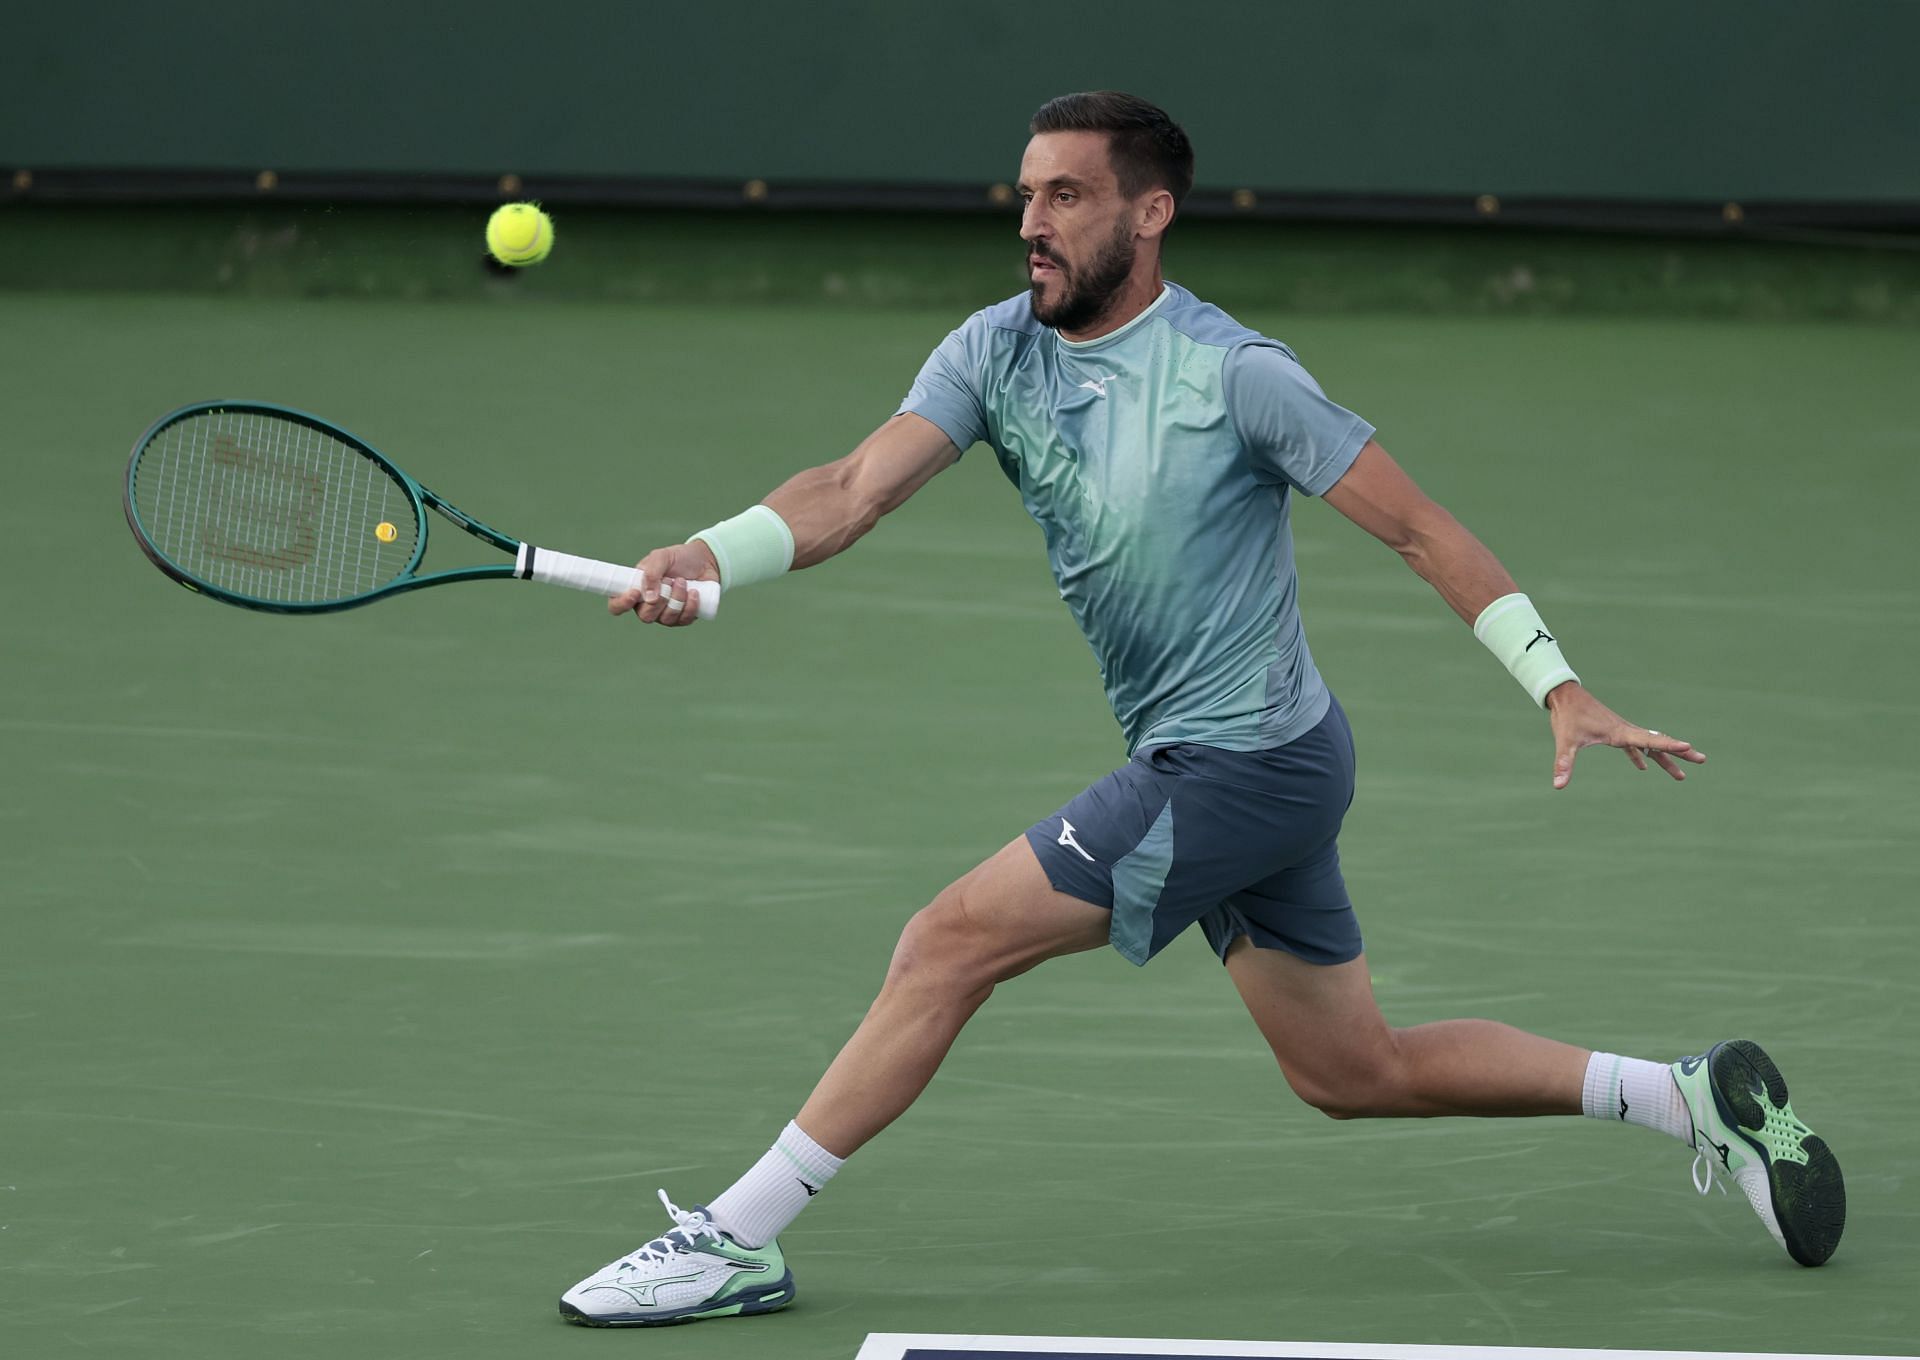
755	545
1511	629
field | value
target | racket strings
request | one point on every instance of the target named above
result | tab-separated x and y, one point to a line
273	509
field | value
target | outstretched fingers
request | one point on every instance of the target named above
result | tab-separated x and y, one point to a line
1588	723
1664	751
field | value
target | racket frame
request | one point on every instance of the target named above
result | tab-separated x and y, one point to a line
422	499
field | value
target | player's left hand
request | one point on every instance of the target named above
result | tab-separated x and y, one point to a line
1580	720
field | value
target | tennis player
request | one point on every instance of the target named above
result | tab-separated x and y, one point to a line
1159	444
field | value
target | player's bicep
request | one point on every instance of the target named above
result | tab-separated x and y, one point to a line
896	460
1376	493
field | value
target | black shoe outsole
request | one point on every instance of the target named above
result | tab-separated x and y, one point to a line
1809	1201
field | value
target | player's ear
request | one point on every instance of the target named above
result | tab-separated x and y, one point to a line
1156	213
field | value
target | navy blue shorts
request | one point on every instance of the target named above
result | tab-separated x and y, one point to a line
1243	842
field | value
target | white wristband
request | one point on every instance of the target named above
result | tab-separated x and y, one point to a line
755	545
1511	629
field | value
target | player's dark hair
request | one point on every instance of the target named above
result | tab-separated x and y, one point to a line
1147	148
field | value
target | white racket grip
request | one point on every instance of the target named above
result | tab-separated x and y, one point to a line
600	578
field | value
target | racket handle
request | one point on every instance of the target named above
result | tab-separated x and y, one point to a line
600	578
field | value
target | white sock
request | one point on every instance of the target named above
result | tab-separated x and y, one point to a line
1633	1091
757	1208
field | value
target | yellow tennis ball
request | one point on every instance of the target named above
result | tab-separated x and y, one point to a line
519	234
385	532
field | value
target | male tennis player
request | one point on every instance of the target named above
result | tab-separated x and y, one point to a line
1159	443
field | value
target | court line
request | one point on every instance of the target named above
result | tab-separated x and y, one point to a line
933	1346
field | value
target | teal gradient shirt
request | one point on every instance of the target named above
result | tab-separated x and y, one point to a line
1158	463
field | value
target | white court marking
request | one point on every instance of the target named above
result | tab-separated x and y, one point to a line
916	1346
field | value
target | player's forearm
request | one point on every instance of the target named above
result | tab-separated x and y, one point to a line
824	510
828	510
1458	565
1470	579
1376	494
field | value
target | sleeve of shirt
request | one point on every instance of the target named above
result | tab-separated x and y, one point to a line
1291	432
947	392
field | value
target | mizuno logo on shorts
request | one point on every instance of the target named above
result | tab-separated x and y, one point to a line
1066	838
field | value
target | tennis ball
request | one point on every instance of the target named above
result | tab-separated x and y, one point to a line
519	234
385	532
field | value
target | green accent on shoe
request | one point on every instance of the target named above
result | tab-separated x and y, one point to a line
1780	1132
761	1297
1738	1101
723	1278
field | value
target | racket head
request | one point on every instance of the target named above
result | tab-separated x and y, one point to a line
267	507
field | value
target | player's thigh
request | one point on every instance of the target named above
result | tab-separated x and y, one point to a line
1320	1020
999	920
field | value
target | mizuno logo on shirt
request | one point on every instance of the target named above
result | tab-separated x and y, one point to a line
1098	386
1066	838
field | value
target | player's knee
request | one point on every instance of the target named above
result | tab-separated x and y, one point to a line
939	954
1364	1087
1337	1105
1346	1103
1335	1100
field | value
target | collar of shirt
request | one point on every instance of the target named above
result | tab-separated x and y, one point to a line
1085	346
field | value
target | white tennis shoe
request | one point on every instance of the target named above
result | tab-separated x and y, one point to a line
1744	1129
692	1271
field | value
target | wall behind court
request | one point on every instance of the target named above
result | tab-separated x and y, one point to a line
1701	100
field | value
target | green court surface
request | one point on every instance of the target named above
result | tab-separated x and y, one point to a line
362	976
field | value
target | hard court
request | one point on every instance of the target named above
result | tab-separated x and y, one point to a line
363	976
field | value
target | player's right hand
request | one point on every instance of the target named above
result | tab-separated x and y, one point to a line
666	599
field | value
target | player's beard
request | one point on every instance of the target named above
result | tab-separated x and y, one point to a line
1085	296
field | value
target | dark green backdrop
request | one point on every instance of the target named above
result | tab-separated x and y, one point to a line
1638	99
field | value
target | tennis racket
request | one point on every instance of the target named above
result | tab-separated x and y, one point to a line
271	508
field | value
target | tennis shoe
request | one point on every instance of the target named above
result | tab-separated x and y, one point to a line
692	1271
1744	1128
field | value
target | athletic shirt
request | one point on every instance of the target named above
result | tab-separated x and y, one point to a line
1157	461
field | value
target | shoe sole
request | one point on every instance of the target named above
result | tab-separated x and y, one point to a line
1810	1199
768	1300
